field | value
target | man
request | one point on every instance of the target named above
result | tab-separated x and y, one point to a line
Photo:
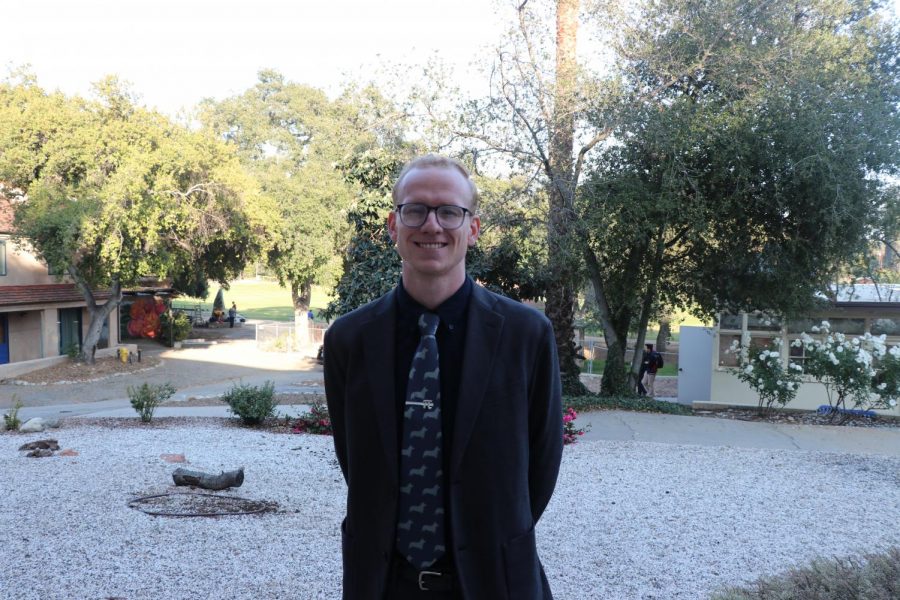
232	314
453	517
651	363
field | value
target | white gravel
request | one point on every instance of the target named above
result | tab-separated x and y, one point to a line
629	520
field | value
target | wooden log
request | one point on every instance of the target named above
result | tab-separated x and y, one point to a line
208	481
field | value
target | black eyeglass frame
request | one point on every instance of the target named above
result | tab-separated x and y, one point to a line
433	209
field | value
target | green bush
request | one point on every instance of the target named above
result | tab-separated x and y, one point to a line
874	577
146	397
633	403
175	328
253	404
11	419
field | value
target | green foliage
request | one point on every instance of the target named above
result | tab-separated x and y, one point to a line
762	368
117	192
293	138
371	266
875	576
73	351
219	301
253	404
145	398
11	419
174	327
631	403
316	421
740	162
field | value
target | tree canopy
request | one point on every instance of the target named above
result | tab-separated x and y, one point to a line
116	192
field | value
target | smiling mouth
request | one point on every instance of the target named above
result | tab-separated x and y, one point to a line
430	245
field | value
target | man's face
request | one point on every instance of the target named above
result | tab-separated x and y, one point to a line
430	251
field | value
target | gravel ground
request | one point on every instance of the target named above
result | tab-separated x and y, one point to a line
629	520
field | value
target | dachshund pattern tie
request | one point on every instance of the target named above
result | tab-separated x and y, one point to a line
420	523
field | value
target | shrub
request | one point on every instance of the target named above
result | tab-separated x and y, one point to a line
11	419
174	328
861	369
632	403
874	577
253	404
147	397
317	420
570	432
764	371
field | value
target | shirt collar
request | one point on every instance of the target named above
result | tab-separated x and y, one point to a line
451	312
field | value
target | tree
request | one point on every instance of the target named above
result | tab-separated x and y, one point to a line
291	137
749	179
116	192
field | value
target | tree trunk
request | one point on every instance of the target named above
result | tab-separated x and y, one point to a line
301	296
560	299
665	331
208	481
97	314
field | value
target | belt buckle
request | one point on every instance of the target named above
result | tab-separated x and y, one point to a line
422	583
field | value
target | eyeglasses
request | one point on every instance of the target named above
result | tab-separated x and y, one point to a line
448	215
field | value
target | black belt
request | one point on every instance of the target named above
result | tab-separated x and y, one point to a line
431	579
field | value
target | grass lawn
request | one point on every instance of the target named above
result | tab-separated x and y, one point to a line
257	299
596	367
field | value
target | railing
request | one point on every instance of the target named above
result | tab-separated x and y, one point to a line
281	336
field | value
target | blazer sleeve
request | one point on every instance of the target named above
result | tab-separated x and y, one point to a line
335	394
545	423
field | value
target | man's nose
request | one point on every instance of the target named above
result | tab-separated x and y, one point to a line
431	223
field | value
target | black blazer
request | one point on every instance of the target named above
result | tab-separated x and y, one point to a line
505	453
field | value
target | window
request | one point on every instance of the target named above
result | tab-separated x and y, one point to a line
848	326
2	257
734	322
886	326
726	357
763	322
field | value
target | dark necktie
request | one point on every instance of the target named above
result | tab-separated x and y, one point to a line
420	523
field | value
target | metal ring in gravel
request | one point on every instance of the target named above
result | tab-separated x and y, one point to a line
189	504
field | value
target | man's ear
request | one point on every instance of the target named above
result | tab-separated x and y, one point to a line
392	225
474	230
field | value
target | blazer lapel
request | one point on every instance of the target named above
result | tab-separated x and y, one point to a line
378	337
482	340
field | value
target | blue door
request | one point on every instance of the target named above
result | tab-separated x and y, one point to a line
4	340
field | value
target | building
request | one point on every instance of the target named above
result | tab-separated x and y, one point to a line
42	317
853	311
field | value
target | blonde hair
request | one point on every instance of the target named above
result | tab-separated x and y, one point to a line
436	161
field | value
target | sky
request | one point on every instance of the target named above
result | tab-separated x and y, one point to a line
177	52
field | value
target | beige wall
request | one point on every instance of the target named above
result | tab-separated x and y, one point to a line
22	268
34	332
24	335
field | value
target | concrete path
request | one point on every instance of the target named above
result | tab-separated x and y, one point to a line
712	431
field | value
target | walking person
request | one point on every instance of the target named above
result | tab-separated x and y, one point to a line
446	408
232	314
653	361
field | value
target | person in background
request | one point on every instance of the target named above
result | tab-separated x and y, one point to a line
652	362
232	314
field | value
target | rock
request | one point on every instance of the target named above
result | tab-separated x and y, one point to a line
68	452
51	423
35	425
173	458
40	453
47	444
